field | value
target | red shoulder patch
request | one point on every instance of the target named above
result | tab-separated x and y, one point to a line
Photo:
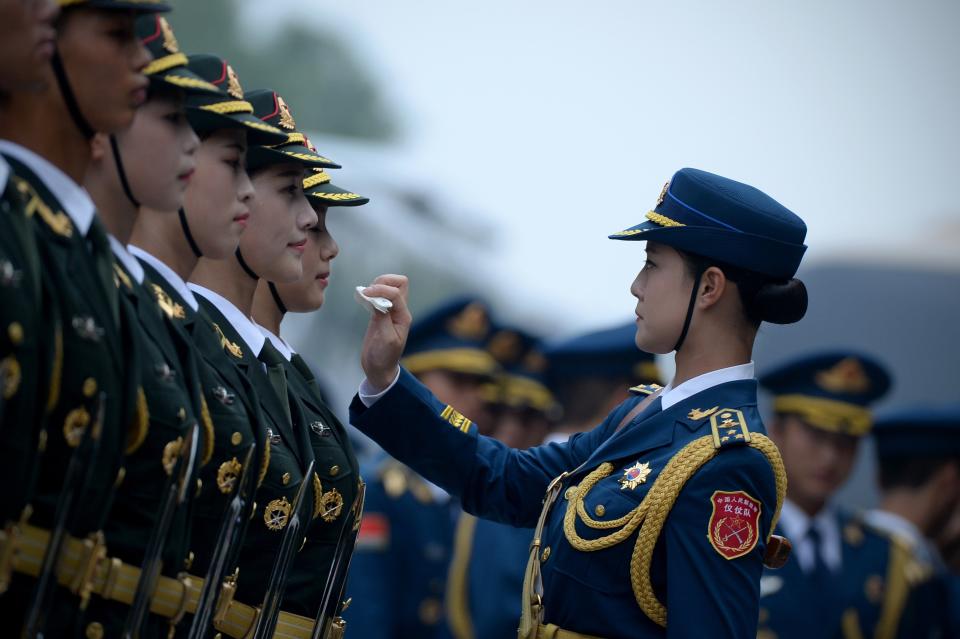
374	533
734	526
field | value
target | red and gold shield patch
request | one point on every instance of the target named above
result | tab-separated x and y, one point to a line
734	524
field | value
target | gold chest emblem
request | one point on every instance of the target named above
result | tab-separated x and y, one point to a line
634	475
170	308
277	513
286	118
74	424
227	475
233	84
170	453
10	376
331	505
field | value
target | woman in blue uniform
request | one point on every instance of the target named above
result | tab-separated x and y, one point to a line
656	523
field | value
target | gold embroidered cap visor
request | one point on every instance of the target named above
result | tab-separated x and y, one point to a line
207	115
826	414
295	151
466	360
146	6
318	188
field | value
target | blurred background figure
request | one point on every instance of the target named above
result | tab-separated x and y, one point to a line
486	573
850	573
591	373
918	452
399	571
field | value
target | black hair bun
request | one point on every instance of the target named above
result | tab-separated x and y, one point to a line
783	302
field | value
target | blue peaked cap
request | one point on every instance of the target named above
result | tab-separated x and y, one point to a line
611	352
919	430
728	221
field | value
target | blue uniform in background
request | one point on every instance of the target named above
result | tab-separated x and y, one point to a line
398	575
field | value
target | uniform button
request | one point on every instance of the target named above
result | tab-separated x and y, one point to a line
334	470
94	630
15	331
121	474
599	510
286	478
42	441
199	486
546	554
236	438
89	387
188	561
218	636
182	413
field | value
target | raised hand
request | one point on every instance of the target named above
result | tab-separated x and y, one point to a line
387	332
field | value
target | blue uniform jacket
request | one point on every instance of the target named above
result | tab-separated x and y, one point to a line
485	576
398	574
882	590
705	592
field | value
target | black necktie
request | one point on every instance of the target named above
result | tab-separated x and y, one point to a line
304	369
103	261
274	361
820	572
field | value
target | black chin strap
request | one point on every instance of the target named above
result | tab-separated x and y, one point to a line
690	307
246	267
121	172
276	298
187	234
69	97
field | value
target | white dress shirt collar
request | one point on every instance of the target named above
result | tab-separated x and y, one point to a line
129	262
248	330
796	524
168	274
278	343
75	200
905	529
691	387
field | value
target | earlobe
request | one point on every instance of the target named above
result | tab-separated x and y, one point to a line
98	147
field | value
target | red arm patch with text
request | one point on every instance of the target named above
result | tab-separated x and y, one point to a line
734	526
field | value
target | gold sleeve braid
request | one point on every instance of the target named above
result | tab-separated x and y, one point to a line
652	512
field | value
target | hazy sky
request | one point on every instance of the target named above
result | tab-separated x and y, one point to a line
562	120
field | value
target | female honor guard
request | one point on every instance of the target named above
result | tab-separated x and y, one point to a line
96	83
28	318
150	164
336	474
271	247
656	522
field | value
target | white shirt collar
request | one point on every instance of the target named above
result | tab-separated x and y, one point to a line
278	343
75	200
691	387
129	262
796	524
4	173
248	330
168	274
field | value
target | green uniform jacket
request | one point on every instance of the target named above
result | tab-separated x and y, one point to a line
168	405
29	334
336	483
100	355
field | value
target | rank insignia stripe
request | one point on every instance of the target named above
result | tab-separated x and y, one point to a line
728	427
734	526
456	419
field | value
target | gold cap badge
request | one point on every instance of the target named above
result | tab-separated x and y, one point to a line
846	376
233	84
169	40
286	118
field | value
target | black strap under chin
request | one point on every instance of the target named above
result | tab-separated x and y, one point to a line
246	267
690	307
69	97
187	234
121	171
276	298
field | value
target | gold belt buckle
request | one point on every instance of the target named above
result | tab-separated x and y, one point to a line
338	628
227	592
93	551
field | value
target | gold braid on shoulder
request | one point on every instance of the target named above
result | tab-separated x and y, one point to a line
652	512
